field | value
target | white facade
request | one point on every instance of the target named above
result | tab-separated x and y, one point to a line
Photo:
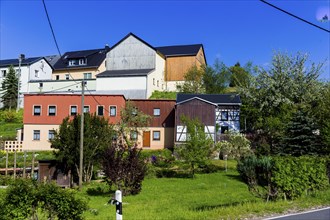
60	85
39	70
156	77
133	55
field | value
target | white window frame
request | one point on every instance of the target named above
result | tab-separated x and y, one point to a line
133	136
49	109
154	113
110	113
51	134
97	110
3	73
82	61
67	76
89	108
36	73
87	75
153	136
33	110
70	110
36	135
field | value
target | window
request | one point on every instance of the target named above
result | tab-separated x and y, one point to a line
134	111
153	81
36	73
41	85
113	110
73	110
51	134
87	75
67	76
36	135
72	62
37	110
156	112
57	77
224	129
86	109
157	83
82	61
3	73
156	135
224	116
100	110
51	110
133	135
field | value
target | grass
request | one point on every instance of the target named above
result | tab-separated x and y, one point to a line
8	130
220	195
163	95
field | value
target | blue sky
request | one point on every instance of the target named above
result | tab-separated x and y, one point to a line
229	30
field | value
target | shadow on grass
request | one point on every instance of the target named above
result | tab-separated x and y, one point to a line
99	191
235	177
168	173
211	207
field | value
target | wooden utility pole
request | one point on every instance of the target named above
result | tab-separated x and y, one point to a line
24	166
15	154
81	134
6	171
32	166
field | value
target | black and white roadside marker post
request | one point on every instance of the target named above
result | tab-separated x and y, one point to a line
118	202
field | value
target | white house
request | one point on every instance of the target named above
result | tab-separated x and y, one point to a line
133	68
35	68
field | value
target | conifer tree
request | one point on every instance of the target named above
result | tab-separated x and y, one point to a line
301	136
9	89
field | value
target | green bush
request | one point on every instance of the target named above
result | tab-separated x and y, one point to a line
5	180
11	116
287	177
24	197
293	176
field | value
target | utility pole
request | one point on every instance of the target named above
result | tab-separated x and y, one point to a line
81	134
20	59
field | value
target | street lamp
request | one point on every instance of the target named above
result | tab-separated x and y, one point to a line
20	59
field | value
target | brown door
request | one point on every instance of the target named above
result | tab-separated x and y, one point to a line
146	139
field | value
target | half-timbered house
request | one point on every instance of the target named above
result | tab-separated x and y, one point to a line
217	112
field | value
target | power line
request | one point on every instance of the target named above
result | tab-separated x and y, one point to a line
295	16
54	37
96	99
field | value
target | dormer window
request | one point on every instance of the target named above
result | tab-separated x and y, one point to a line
72	62
82	61
77	62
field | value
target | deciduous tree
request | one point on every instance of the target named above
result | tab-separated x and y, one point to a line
198	146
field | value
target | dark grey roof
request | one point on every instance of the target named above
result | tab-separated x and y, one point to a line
180	50
52	59
131	34
14	62
223	99
124	73
94	58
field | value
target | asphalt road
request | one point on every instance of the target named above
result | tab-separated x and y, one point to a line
320	214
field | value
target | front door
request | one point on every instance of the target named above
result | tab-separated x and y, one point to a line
146	139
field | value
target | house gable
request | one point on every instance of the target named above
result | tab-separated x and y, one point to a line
131	53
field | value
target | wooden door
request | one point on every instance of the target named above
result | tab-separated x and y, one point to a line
146	139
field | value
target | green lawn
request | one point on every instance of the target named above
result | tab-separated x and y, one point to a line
219	195
8	130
